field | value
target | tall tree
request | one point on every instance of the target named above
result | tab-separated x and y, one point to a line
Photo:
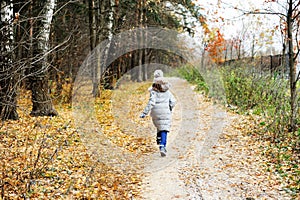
41	102
292	19
289	13
9	73
106	29
93	38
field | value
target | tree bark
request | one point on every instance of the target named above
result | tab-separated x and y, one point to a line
93	38
292	66
105	34
41	102
9	73
139	23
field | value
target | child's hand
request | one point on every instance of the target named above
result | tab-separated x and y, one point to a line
142	115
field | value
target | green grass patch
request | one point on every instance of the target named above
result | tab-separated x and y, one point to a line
193	75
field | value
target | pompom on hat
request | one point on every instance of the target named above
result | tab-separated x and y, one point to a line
159	79
158	73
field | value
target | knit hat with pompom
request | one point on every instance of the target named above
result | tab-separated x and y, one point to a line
158	73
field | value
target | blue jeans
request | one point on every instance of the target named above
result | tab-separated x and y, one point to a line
163	138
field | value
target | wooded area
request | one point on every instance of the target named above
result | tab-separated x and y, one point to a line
44	43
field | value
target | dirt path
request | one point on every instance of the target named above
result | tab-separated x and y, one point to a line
163	179
208	156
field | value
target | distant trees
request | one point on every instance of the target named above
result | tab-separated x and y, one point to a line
288	12
43	44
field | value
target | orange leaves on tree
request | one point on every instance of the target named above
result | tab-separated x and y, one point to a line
216	46
204	25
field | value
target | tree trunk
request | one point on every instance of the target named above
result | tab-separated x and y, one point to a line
93	38
239	49
41	101
253	48
9	74
140	41
292	66
146	61
106	26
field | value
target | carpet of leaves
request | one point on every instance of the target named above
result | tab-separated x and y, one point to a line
44	158
282	153
244	163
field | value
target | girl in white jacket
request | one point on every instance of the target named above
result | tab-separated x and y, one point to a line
161	104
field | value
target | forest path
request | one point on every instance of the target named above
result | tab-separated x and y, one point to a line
165	176
209	157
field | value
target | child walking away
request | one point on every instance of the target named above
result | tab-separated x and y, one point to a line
161	104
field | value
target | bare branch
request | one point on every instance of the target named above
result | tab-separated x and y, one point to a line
64	5
265	13
296	6
296	16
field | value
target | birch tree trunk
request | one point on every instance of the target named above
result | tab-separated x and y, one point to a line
105	33
9	73
41	101
110	47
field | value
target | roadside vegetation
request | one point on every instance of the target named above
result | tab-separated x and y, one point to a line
264	97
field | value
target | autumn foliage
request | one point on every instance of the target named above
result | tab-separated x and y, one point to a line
45	157
216	46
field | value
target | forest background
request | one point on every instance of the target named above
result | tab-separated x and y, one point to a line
44	43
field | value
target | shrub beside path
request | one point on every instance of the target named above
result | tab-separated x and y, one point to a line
210	155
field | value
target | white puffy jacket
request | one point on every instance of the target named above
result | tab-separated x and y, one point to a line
161	104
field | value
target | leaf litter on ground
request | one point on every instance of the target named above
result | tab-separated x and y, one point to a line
44	157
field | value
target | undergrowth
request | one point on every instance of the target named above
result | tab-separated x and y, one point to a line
253	92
